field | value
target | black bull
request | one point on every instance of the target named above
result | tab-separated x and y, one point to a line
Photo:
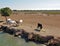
39	26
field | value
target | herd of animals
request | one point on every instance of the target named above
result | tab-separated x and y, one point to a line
48	40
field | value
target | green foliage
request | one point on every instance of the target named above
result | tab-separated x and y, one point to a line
39	11
6	11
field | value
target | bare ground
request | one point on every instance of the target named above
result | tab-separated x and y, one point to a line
51	24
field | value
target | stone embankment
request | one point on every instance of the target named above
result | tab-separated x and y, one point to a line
30	36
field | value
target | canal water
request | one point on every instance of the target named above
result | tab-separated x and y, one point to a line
10	40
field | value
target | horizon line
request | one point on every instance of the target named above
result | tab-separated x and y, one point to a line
34	8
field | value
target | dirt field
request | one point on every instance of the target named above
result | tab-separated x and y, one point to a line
51	24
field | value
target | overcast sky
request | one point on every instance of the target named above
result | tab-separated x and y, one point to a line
31	4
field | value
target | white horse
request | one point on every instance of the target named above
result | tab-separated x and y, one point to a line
11	21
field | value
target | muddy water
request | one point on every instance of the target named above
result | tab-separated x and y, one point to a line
10	40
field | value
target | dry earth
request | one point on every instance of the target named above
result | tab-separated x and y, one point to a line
51	24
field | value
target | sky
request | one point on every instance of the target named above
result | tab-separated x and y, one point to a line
31	4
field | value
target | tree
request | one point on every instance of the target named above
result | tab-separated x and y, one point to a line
6	12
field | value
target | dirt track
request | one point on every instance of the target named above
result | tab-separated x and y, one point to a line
51	24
